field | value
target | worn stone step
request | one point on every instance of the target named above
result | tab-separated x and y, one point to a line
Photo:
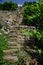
19	36
20	39
28	49
10	51
14	40
15	30
15	34
12	35
12	31
12	47
20	46
11	27
10	58
11	38
12	43
15	47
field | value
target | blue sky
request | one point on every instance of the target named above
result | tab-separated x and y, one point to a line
19	1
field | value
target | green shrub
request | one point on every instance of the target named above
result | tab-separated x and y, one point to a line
3	45
33	14
3	41
14	7
38	38
8	6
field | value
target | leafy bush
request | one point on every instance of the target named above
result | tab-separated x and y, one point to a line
1	6
38	38
3	45
33	14
14	6
8	6
3	41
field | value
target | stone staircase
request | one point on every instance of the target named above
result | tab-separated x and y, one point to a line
15	44
11	54
16	38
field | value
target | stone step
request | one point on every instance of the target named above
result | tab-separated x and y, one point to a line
12	43
28	49
19	36
15	44
12	47
12	31
16	39
20	39
10	58
13	28
12	39
15	47
10	52
20	46
12	35
15	34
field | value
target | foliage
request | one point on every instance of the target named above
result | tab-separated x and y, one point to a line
3	45
33	14
8	6
21	59
3	42
1	5
14	6
38	38
32	33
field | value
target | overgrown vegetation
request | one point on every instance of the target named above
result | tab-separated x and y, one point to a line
3	45
8	6
33	14
38	44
